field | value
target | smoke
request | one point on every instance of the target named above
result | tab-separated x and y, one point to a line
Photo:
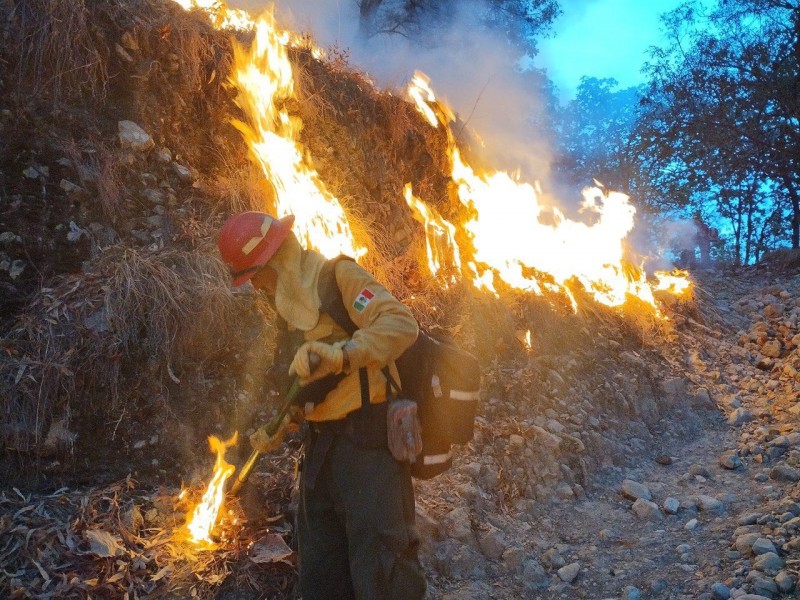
662	242
474	70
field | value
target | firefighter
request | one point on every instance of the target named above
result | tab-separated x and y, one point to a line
355	519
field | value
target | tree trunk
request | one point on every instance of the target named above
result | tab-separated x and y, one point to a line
737	232
795	199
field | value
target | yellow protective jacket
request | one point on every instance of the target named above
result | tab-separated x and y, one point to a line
386	329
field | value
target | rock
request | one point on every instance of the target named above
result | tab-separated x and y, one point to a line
769	563
784	472
691	525
59	438
552	559
492	543
720	591
569	572
16	268
473	590
564	491
9	237
671	506
785	582
534	576
134	137
749	518
155	197
674	388
703	399
764	586
69	187
658	587
459	561
457	525
664	459
634	491
645	509
36	172
739	417
164	155
184	174
512	558
763	546
772	349
710	504
730	460
699	470
631	593
744	543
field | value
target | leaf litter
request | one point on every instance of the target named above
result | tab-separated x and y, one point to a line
120	541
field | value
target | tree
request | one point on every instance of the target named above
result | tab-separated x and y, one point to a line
594	132
720	115
521	21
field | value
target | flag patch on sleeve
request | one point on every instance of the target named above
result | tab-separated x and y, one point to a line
364	298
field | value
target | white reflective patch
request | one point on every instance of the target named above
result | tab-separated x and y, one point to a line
436	384
437	459
255	241
462	395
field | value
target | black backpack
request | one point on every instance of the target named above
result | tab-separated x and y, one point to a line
440	377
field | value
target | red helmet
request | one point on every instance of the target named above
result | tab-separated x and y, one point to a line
248	240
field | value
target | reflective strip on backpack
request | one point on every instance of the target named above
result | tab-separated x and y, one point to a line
462	395
436	459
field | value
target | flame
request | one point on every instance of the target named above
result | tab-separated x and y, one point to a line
204	515
220	15
510	242
677	282
507	239
440	236
264	79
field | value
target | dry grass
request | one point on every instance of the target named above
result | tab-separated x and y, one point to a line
81	345
57	48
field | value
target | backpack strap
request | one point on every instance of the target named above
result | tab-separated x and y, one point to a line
331	304
331	296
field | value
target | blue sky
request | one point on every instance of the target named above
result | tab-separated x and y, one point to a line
601	38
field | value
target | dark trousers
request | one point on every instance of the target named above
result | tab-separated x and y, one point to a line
356	528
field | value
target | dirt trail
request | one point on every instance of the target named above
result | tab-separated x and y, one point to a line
701	529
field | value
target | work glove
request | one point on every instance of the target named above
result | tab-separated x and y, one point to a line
330	356
263	442
405	431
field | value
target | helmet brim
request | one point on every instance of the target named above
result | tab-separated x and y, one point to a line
282	227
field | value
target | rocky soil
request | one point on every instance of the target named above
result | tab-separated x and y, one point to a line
702	504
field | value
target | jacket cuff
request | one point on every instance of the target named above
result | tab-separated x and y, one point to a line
356	356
